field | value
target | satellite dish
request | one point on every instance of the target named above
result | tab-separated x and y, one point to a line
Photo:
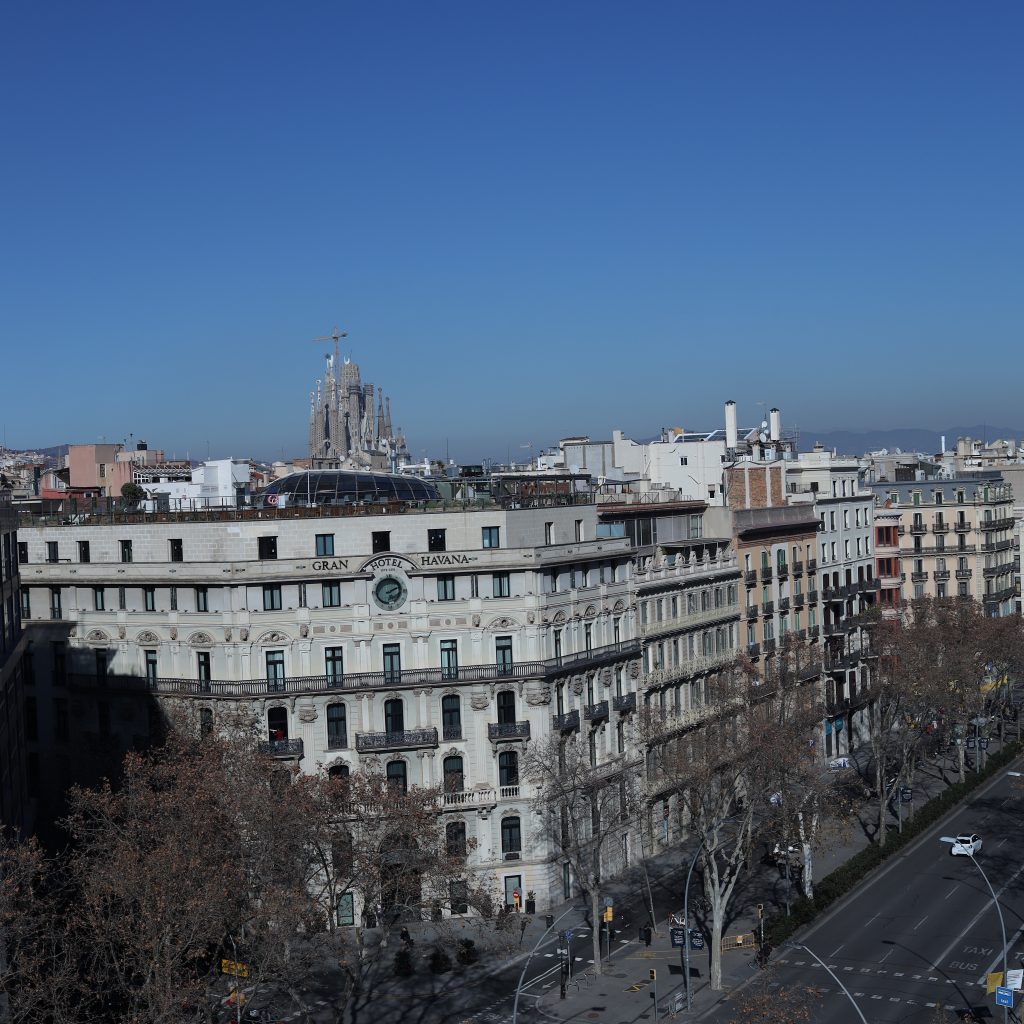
764	424
763	436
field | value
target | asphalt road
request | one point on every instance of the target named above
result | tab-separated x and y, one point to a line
924	932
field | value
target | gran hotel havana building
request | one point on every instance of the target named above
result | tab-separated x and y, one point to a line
388	629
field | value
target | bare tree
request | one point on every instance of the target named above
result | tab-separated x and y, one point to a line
585	809
764	1001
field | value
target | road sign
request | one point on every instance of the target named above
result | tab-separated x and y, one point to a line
696	939
1004	996
971	743
568	935
983	744
906	795
237	969
678	937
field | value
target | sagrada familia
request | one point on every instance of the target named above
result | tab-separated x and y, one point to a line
344	433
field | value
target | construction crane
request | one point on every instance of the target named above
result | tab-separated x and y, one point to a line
336	335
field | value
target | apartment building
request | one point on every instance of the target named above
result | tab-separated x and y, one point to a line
956	538
433	642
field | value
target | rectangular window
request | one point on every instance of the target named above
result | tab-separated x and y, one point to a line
22	552
122	598
126	551
26	603
271	597
149	596
696	527
491	537
503	654
275	670
578	530
325	543
151	669
334	666
511	836
500	584
381	541
392	663
55	609
83	551
446	588
203	666
267	547
177	549
548	533
436	540
97	599
449	659
174	598
302	595
51	551
202	599
474	585
331	595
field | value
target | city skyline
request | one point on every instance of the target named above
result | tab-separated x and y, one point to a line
569	221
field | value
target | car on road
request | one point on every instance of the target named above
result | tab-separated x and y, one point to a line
966	845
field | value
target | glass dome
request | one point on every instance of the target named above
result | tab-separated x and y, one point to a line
345	487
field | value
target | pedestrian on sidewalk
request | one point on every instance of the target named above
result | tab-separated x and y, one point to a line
647	935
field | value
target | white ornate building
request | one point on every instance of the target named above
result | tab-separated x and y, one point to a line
434	644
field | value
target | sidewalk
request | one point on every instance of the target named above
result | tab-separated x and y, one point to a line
625	993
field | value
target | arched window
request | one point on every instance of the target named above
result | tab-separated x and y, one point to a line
455	838
508	768
397	776
277	724
394	716
338	771
453	777
337	729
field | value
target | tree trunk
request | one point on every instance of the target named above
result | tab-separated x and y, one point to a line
880	786
595	916
961	760
808	878
716	945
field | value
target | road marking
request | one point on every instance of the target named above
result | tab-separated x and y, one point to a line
836	950
875	918
921	922
951	891
1000	843
999	957
887	955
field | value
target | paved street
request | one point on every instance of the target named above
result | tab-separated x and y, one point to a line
922	933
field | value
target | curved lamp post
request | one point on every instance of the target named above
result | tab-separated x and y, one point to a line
515	1004
999	911
835	977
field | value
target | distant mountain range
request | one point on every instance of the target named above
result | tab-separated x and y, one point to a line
911	439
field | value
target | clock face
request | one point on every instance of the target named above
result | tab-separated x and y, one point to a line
389	592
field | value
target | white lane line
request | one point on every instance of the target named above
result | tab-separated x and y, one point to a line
951	891
836	950
921	922
999	956
886	957
875	918
1000	843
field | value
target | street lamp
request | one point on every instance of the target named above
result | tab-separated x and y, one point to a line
999	909
810	952
515	1004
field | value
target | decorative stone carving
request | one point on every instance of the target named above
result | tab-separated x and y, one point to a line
476	620
120	632
304	630
273	637
243	634
74	631
559	618
634	670
307	713
147	636
605	676
619	607
479	701
538	693
577	685
589	612
174	632
96	636
531	618
200	639
227	634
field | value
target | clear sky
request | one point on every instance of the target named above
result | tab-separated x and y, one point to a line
535	219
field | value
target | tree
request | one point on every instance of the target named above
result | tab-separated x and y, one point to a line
132	493
584	808
764	1001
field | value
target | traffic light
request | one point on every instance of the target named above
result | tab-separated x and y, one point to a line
654	974
760	911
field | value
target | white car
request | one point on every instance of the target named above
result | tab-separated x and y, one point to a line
966	845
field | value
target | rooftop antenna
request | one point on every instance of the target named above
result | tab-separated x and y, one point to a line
336	335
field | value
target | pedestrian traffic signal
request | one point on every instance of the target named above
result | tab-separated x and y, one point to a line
760	911
608	914
654	974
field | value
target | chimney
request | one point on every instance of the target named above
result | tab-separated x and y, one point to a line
775	425
730	425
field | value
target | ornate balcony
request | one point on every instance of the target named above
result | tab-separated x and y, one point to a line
768	608
963	574
751	612
798	600
625	703
962	527
941	575
750	577
918	529
504	731
768	645
282	748
783	604
566	722
798	568
753	650
940	527
812	565
766	573
409	739
782	571
596	712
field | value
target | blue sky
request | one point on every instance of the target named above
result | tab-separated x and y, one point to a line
534	219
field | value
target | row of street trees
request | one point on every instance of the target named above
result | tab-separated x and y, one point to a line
208	851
